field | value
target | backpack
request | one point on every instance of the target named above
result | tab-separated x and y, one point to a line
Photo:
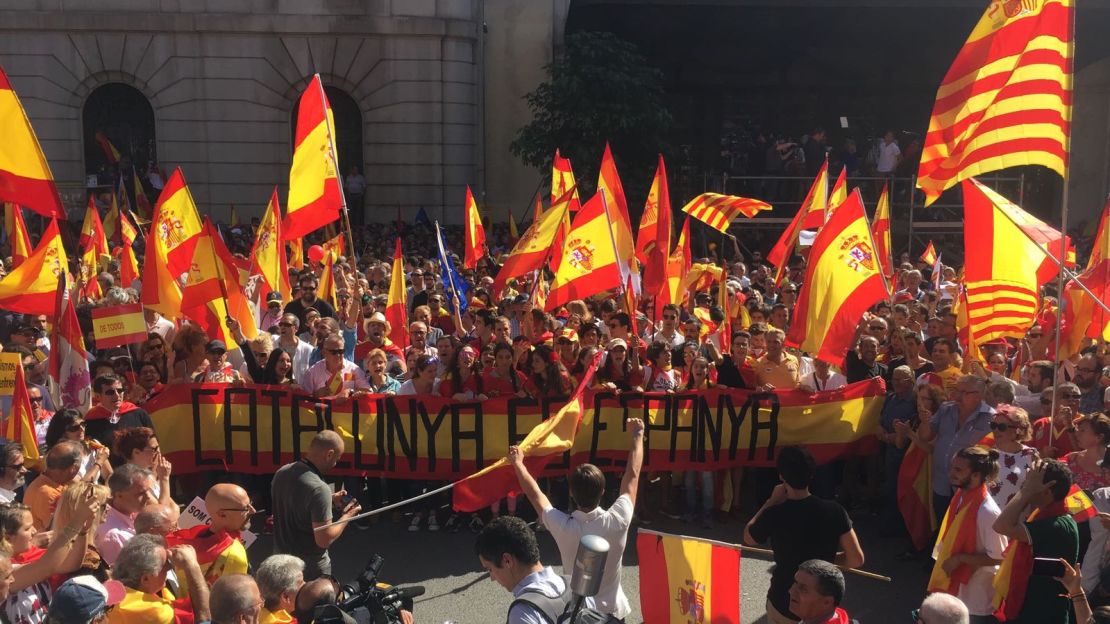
558	610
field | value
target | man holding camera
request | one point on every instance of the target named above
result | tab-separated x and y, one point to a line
303	501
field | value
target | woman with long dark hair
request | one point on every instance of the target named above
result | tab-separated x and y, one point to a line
463	380
621	370
502	379
549	376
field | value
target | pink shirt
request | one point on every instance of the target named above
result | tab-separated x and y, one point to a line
116	530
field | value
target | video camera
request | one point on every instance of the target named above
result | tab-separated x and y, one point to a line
367	600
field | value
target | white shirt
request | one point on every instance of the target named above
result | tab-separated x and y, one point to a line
301	354
317	376
610	524
1097	556
888	157
164	328
113	533
408	388
677	340
6	496
978	593
835	380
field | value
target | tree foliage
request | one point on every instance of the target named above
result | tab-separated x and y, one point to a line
600	89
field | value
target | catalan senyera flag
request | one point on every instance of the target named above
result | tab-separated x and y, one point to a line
396	307
839	193
562	181
212	291
268	251
880	232
687	579
1005	263
25	177
590	263
547	440
534	247
176	223
315	193
929	256
18	239
474	239
843	279
810	215
111	154
20	425
1006	100
609	180
717	211
69	361
115	326
32	287
1083	317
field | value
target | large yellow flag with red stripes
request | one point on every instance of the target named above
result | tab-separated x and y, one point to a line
32	288
25	177
268	252
590	264
843	279
474	235
396	307
1006	100
18	239
315	195
1005	263
176	223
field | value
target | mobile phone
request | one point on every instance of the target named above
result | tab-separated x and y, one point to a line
346	501
1043	566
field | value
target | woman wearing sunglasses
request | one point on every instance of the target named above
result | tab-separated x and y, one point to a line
69	424
1011	429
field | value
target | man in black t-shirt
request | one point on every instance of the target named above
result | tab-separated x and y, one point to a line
110	412
733	367
308	299
800	527
862	363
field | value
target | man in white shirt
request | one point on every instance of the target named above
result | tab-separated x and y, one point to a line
157	324
13	473
130	487
587	485
889	155
298	349
335	375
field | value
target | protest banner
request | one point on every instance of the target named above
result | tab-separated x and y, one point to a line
116	326
8	364
256	429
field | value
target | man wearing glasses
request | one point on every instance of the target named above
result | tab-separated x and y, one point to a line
669	333
958	424
219	547
1054	435
13	472
335	375
299	350
1087	374
110	412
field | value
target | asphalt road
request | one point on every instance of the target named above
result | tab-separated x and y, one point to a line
458	590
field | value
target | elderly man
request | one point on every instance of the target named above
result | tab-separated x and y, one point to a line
157	519
418	339
63	463
776	369
958	424
279	578
13	470
142	567
130	488
335	375
219	543
235	599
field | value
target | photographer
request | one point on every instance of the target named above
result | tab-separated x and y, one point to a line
313	598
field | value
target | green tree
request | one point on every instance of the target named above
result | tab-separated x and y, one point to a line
600	89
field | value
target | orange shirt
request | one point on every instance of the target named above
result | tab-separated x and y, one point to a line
783	375
42	496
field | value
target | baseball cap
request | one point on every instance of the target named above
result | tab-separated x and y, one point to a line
273	297
82	598
215	346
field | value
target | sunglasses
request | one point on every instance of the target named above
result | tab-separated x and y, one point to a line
1001	426
36	399
669	317
112	391
75	427
284	324
335	351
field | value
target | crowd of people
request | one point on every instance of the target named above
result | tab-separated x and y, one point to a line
1008	437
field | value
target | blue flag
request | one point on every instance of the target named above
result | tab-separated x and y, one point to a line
422	217
453	283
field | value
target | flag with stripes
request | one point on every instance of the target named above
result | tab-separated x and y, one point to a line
1006	100
718	211
1005	264
929	256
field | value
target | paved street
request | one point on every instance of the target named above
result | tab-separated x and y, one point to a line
458	591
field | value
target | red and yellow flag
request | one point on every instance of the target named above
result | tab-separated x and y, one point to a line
843	279
18	238
212	292
475	234
160	289
25	177
1006	100
718	211
32	288
880	233
94	252
142	204
315	195
839	193
678	265
609	180
1083	317
92	230
396	307
534	247
116	326
176	223
334	246
514	233
810	215
562	181
20	425
111	220
687	579
111	154
296	254
268	251
1005	263
326	289
653	240
590	263
929	256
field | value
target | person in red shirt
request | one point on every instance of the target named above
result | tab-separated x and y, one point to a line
817	592
502	379
463	380
1054	436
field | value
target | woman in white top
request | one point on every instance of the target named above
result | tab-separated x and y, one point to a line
822	378
658	375
1010	426
424	379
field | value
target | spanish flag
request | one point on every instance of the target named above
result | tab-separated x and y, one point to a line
562	181
535	246
128	263
92	231
111	221
839	193
296	254
212	292
590	263
315	195
268	252
334	246
609	180
958	535
326	289
160	291
142	203
111	154
176	223
115	326
18	239
396	307
475	238
810	215
655	224
1083	317
32	288
929	256
1006	100
880	233
718	211
25	177
843	279
687	579
69	361
20	425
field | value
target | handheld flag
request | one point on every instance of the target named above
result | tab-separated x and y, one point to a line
315	194
562	181
609	180
111	154
453	284
687	579
176	223
32	287
160	289
212	293
590	263
142	202
18	238
653	241
718	211
811	214
268	251
534	248
475	234
115	326
20	425
69	361
843	279
396	307
1006	100
128	263
880	233
326	289
25	177
929	256
839	193
1083	317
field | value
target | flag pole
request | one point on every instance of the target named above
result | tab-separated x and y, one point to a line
338	176
375	512
450	279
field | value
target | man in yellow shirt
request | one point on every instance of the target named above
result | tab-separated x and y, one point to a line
776	369
943	367
63	462
141	567
218	545
279	578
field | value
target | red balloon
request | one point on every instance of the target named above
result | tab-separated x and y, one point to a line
315	253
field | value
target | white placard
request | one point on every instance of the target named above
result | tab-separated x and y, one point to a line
197	513
843	122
